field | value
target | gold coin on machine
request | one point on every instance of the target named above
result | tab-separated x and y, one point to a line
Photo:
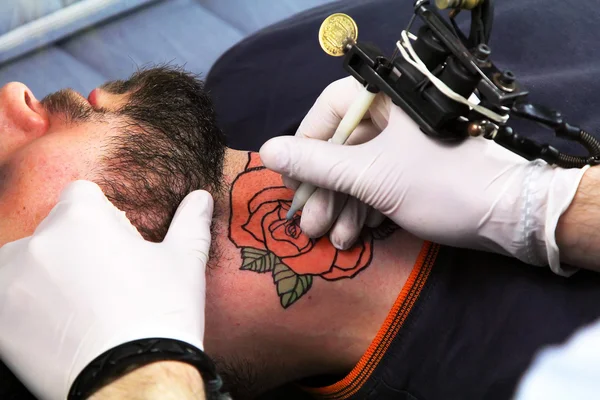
336	30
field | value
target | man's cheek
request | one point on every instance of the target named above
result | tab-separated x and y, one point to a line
33	189
28	201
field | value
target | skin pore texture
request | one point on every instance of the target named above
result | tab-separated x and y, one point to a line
39	154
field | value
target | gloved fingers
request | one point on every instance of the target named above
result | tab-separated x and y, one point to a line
500	153
79	199
325	165
364	132
329	109
190	227
8	270
290	183
82	194
83	191
320	212
81	204
374	218
349	224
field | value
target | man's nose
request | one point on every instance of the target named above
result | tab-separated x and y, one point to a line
22	117
100	98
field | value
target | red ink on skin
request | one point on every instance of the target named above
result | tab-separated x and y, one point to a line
258	220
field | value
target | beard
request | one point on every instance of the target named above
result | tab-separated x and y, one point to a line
67	104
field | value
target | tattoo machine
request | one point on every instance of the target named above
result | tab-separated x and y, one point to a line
448	84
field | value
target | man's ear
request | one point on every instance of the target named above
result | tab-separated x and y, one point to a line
23	110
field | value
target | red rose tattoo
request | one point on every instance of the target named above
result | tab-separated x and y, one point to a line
271	243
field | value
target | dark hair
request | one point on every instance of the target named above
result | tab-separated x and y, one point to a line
169	146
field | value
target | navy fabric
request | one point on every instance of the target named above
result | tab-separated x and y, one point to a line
265	84
476	326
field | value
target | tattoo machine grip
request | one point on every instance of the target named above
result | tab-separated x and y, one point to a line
348	124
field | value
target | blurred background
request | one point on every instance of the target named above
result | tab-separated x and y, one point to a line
53	44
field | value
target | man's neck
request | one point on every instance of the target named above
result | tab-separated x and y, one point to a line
289	306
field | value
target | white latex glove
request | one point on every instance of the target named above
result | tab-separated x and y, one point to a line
86	282
569	371
474	195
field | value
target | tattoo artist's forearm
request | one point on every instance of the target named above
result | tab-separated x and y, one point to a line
578	230
158	381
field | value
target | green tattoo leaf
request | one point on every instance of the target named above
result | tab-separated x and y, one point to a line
290	286
258	260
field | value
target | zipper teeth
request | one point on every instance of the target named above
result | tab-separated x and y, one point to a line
53	21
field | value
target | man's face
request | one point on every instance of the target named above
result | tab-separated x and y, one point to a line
44	146
147	141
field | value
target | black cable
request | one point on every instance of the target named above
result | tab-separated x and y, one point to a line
487	10
476	34
568	161
590	143
482	21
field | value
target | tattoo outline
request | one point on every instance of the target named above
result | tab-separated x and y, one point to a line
269	243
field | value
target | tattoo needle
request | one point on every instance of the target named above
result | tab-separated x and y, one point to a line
347	125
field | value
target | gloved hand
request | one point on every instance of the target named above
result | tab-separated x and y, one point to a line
475	195
86	282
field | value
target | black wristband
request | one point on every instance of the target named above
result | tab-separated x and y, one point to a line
124	358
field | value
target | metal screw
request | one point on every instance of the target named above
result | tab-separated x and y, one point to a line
482	52
505	81
507	78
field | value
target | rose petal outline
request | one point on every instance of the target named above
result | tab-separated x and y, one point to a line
365	260
254	161
239	214
283	222
281	248
348	259
267	195
254	224
317	261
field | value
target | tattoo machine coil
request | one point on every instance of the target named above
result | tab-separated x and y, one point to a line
448	84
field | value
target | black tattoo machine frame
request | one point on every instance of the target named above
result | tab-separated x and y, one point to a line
433	81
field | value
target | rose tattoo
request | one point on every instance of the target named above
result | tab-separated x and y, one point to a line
270	243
